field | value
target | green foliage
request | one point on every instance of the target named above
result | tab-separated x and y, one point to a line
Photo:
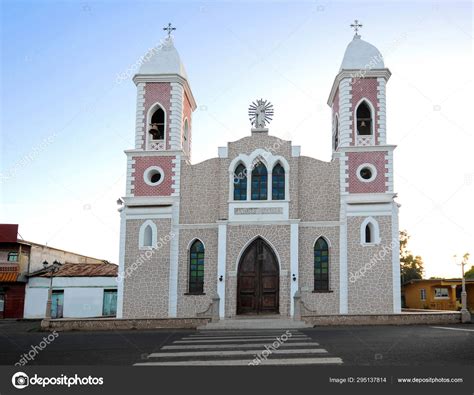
411	266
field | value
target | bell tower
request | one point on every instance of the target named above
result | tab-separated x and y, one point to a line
359	142
151	205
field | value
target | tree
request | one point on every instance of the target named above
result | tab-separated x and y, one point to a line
470	272
411	266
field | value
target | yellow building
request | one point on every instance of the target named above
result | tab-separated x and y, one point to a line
437	294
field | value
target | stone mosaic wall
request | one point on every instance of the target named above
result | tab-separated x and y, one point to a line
190	305
369	269
146	280
321	302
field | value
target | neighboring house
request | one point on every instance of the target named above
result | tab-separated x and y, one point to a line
78	290
18	258
437	294
260	222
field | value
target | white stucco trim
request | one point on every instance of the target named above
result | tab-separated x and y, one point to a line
147	172
222	152
375	230
345	114
372	168
343	284
121	269
174	258
294	265
176	115
381	102
140	116
221	266
149	114
141	235
397	307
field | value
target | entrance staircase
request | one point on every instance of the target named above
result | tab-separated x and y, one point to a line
255	322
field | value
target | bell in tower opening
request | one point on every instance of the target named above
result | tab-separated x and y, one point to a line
157	125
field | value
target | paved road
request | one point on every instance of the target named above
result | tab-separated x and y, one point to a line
350	345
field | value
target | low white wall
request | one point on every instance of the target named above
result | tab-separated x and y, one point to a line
83	296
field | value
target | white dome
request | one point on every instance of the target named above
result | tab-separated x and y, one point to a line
361	55
163	59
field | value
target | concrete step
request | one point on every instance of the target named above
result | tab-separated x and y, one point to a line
255	323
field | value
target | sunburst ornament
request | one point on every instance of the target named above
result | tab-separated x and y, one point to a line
260	113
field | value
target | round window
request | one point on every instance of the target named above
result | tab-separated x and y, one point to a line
366	172
153	176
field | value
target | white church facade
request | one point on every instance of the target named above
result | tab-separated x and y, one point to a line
260	223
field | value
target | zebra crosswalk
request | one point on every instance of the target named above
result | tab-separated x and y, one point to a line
241	348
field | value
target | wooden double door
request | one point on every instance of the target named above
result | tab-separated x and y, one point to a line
258	280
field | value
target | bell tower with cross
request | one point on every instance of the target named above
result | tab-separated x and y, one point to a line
165	104
359	142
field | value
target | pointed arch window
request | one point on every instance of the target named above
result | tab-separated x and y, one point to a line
336	133
157	124
278	182
259	182
196	267
369	232
240	183
147	237
321	265
364	119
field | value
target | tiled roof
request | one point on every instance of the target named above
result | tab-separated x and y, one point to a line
85	270
8	277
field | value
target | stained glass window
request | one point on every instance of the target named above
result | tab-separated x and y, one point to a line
278	182
321	265
196	267
259	182
240	183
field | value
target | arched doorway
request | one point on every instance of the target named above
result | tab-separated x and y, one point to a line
258	280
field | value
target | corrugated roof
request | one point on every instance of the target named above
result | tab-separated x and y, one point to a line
85	270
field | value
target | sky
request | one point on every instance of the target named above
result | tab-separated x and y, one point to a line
67	117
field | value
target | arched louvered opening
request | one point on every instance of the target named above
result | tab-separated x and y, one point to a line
364	119
157	124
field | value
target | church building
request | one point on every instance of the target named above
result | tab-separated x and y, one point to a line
259	224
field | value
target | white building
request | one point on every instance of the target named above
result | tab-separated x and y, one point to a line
78	291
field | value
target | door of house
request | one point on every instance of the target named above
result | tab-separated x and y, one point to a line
57	303
258	280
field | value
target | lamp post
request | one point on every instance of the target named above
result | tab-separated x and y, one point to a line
465	314
51	269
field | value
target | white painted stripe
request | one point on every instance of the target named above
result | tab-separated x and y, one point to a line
233	352
284	361
239	337
211	346
453	329
245	333
236	339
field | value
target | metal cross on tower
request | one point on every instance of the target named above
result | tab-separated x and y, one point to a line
356	25
169	29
